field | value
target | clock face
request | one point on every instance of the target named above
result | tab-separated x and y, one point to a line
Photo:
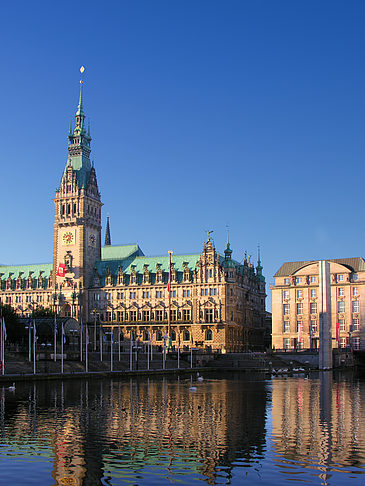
92	240
68	238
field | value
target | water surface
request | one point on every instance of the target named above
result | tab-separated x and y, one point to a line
232	429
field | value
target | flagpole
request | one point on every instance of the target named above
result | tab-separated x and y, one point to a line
86	348
81	333
130	352
169	292
111	348
178	350
101	343
62	347
4	339
151	344
164	353
34	337
118	342
191	351
148	351
29	340
2	346
55	339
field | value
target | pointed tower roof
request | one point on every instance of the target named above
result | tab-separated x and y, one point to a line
108	240
79	145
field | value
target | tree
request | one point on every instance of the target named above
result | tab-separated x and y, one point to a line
11	320
42	312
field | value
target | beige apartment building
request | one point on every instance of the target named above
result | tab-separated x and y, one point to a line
205	300
295	304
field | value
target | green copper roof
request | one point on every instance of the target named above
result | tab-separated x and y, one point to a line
110	252
14	271
36	269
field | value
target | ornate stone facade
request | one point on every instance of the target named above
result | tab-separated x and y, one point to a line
205	299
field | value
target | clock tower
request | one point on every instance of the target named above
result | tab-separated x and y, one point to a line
77	223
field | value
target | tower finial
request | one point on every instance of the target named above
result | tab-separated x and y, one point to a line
80	107
228	244
258	254
108	240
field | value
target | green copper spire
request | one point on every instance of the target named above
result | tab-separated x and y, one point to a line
80	108
79	144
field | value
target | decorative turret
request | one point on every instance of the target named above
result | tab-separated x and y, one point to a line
228	252
228	262
259	268
108	240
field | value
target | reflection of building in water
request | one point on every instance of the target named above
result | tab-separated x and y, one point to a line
318	420
130	428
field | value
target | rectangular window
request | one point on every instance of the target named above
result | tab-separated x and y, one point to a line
132	295
313	308
286	343
355	306
355	291
356	343
313	325
286	326
173	293
186	314
210	273
186	293
340	278
158	294
299	294
300	308
202	292
341	291
208	315
298	280
145	294
342	324
159	315
173	315
286	294
340	307
342	342
355	324
146	315
313	293
299	326
313	279
286	281
133	315
286	309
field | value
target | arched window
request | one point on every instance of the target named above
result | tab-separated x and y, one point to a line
173	335
208	335
186	336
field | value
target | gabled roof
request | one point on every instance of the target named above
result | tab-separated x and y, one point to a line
355	264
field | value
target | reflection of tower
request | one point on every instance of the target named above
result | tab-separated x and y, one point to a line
325	317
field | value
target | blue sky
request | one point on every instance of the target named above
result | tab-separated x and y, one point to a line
203	114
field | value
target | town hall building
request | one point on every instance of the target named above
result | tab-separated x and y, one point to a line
205	300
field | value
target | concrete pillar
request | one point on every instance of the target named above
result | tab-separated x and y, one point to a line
325	316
